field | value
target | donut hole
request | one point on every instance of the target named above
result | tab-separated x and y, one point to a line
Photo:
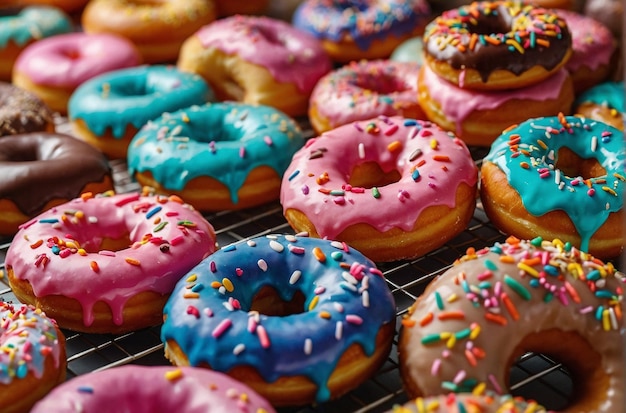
573	165
370	174
72	54
93	246
268	302
490	24
382	83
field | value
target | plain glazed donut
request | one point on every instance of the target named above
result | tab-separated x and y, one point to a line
143	389
22	112
558	177
41	170
157	28
257	60
354	30
478	117
604	102
392	188
297	319
471	324
217	156
32	357
363	90
53	68
109	109
469	403
107	263
496	45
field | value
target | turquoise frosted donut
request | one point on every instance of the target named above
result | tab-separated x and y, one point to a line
603	102
108	110
216	318
23	26
216	156
556	165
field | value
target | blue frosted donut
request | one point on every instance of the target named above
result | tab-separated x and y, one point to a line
603	102
109	109
216	156
21	27
229	314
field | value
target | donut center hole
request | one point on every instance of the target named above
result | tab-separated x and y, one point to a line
71	54
574	166
370	174
489	24
93	246
383	84
268	302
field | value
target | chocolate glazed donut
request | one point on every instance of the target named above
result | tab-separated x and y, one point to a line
22	112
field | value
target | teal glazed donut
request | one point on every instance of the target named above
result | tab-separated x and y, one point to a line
109	109
216	156
554	166
603	102
215	317
23	26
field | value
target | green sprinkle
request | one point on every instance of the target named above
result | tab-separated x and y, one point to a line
431	338
517	287
450	386
336	255
160	226
536	241
375	192
484	285
439	300
548	297
604	294
568	246
490	265
463	334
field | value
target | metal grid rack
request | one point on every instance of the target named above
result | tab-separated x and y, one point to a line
533	376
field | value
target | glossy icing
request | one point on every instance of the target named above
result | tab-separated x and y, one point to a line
346	301
143	389
362	21
68	60
224	141
22	26
457	103
27	338
317	181
21	111
609	94
59	251
462	38
469	403
133	96
460	334
530	168
366	89
290	55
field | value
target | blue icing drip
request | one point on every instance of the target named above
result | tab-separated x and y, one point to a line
35	22
610	94
135	96
207	140
286	354
542	195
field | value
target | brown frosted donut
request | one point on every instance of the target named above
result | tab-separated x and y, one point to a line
22	112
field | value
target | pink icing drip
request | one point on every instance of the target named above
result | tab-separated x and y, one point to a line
116	279
458	103
70	59
400	203
290	55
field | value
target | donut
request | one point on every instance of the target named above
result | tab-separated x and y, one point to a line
68	6
354	30
393	188
496	45
558	177
32	357
23	26
410	50
135	388
478	117
593	47
22	112
107	263
157	28
54	67
237	166
469	403
470	325
610	13
297	319
603	102
109	109
245	7
257	60
363	90
41	170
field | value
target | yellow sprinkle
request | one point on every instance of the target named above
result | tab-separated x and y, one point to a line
542	144
479	389
516	45
228	285
475	332
528	269
433	144
313	302
192	278
609	190
132	261
82	252
452	298
606	321
174	375
451	341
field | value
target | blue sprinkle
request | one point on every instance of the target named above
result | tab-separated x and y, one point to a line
599	311
153	212
534	283
197	288
416	174
22	370
228	248
551	270
593	275
85	389
294	174
49	221
604	294
410	122
56	249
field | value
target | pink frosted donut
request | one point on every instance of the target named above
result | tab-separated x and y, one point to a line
363	90
107	263
391	188
54	67
143	389
593	46
257	60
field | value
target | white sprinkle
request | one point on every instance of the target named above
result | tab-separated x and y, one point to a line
561	185
338	330
308	346
92	220
251	243
594	143
361	151
557	176
365	299
295	277
365	282
276	246
613	319
291	238
338	307
228	306
337	245
271	236
349	278
239	348
222	290
262	265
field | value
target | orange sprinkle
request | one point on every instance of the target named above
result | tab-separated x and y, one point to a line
132	261
325	314
394	146
36	244
510	306
86	195
511	240
572	292
507	259
491	40
496	318
478	352
319	254
473	41
451	315
510	128
408	322
94	266
470	358
420	163
441	158
524	165
191	295
176	198
216	284
543	42
618	312
427	319
532	261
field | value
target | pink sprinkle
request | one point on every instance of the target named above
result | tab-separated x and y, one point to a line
357	190
460	376
238	271
208	312
356	269
107	253
376	271
575	182
242	152
191	310
267	140
544	175
171	214
484	276
252	324
28	224
221	328
354	319
319	290
434	370
263	337
591	192
495	384
213	267
432	185
65	253
339	200
127	200
296	250
586	310
177	240
606	133
234	303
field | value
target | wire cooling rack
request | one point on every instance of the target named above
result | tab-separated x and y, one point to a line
534	376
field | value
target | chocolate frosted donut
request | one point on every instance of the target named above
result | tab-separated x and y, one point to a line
22	112
40	170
